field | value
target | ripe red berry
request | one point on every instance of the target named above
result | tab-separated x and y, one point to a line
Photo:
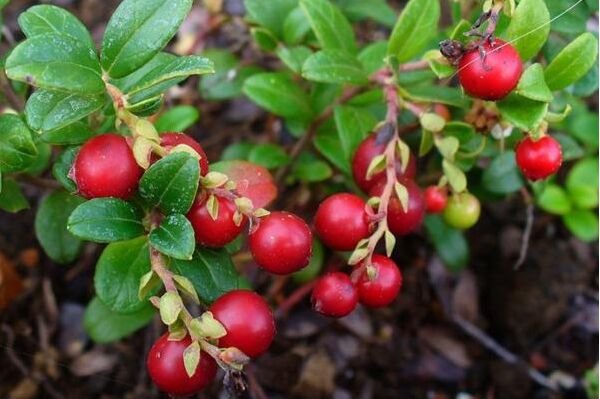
214	232
493	77
399	221
435	199
247	319
282	243
341	221
538	159
334	295
166	368
363	156
384	288
172	139
105	167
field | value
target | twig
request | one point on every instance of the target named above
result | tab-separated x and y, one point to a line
255	387
38	181
13	99
528	227
293	299
414	66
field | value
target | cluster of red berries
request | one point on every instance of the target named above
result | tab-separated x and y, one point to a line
250	328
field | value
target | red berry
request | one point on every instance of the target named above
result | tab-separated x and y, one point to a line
384	288
334	295
341	221
214	232
172	139
248	320
442	111
493	77
282	243
363	156
539	159
399	221
166	368
105	167
436	199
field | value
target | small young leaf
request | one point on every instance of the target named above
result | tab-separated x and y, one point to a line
334	66
554	199
191	358
149	283
264	38
432	122
583	224
209	327
376	165
170	306
106	220
447	146
426	143
330	26
415	26
185	285
527	41
17	149
402	194
270	14
390	242
455	176
358	255
11	197
533	85
104	325
174	237
177	119
295	26
573	62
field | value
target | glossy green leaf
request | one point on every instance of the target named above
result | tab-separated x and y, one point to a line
104	325
295	26
118	273
177	119
573	62
264	38
456	177
377	10
372	57
334	66
270	14
330	26
42	160
271	156
450	244
174	237
533	85
51	226
569	146
294	57
527	41
43	19
146	107
75	133
328	143
279	94
437	94
48	110
137	31
309	169
416	25
583	224
106	220
211	271
582	183
353	125
229	77
554	199
11	197
17	149
62	167
572	22
502	175
522	112
55	61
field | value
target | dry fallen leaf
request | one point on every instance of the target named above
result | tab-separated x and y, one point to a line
10	282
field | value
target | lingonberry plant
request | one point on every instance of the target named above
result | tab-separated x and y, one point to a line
401	135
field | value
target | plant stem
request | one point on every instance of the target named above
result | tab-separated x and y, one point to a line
15	101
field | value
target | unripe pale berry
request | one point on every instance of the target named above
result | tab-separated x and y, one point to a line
538	159
334	295
462	211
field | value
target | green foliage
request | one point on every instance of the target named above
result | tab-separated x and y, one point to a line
104	325
17	149
417	24
174	237
450	244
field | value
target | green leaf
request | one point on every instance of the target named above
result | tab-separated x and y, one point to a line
264	38
583	224
312	270
332	29
174	237
211	271
295	26
437	94
270	14
75	133
62	166
574	21
239	151
51	226
372	57
570	147
417	24
353	125
522	112
450	244
279	94
137	31
56	61
334	66
118	273
17	149
502	175
573	62
377	10
582	183
42	160
104	325
171	183
533	85
294	57
554	199
456	177
49	109
177	119
527	41
43	19
311	170
146	107
271	156
106	220
328	143
11	197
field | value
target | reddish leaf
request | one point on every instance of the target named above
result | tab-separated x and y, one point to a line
252	181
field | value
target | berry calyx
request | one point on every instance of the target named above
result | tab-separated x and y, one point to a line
166	368
334	295
172	139
538	159
384	288
462	211
214	232
105	167
493	76
366	151
341	221
435	199
247	319
282	243
401	222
